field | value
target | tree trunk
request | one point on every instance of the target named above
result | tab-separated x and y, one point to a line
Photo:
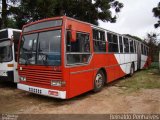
4	13
159	60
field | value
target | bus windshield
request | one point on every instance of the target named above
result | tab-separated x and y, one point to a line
5	51
41	48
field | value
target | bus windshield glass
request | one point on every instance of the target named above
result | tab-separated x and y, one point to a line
41	48
43	25
5	51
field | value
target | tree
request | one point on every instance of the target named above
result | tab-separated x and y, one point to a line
5	12
32	10
153	43
88	10
156	12
85	10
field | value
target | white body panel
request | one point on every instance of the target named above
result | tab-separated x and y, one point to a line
4	65
4	68
143	60
125	61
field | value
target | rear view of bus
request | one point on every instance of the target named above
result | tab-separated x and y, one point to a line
9	39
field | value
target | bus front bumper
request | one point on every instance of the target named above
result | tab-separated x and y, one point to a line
43	91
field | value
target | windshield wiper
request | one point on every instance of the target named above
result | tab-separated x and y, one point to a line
44	58
27	60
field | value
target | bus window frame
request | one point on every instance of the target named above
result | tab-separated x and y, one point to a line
89	53
99	52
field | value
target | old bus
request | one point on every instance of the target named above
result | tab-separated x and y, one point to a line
62	57
9	39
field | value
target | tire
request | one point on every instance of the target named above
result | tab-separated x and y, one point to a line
131	70
99	81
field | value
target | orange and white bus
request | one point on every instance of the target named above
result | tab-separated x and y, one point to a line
63	57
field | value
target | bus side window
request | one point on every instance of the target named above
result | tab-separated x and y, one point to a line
131	46
99	42
126	45
113	42
142	48
68	42
16	36
135	48
121	44
15	51
78	51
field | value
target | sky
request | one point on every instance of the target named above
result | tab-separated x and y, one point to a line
136	18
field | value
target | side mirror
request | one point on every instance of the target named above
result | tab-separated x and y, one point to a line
72	34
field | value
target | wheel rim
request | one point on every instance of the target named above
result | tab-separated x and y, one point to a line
99	81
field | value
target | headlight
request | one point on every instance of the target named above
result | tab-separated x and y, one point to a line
22	78
57	83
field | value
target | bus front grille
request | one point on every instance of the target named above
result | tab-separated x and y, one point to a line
40	76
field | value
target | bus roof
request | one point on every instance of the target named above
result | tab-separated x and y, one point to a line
7	33
92	25
10	29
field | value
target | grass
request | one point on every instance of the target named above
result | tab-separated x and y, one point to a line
154	65
144	79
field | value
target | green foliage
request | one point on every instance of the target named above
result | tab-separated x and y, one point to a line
154	65
156	12
31	10
88	11
154	48
4	20
85	10
11	23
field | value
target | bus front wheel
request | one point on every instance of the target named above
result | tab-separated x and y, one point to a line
99	81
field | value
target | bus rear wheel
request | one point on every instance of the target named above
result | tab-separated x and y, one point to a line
99	81
131	70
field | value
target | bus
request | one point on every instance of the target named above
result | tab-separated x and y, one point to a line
9	39
62	57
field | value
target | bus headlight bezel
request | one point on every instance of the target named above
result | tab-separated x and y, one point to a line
22	78
58	83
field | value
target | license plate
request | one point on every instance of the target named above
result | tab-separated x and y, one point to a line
3	73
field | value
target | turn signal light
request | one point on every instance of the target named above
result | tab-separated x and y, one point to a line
10	65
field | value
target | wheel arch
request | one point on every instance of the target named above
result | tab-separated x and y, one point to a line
104	72
133	65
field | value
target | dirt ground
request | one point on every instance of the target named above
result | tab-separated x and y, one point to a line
112	99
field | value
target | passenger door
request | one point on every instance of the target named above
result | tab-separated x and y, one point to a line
138	56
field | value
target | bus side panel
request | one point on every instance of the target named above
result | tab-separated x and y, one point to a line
148	62
110	62
80	81
66	78
99	61
81	76
143	60
125	61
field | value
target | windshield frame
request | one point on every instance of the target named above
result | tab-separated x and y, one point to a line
11	51
38	32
